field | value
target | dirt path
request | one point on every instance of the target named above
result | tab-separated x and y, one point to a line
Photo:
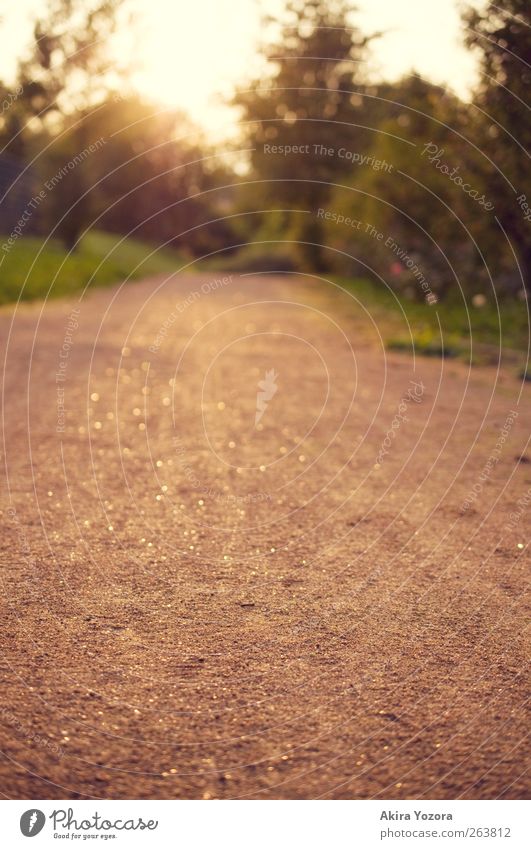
196	606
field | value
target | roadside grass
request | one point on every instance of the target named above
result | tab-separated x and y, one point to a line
477	335
98	261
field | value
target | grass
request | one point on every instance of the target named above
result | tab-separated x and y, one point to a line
99	259
482	325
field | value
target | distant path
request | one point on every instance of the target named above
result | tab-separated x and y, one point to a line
197	607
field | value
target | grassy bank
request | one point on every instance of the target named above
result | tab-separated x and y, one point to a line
484	326
30	268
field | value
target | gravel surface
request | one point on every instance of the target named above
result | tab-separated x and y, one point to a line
213	589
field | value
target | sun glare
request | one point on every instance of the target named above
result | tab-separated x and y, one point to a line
191	55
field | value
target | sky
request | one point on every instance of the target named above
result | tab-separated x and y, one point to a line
191	53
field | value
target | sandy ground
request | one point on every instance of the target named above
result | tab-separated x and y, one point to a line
198	607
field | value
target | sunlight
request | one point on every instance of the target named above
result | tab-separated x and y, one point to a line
193	53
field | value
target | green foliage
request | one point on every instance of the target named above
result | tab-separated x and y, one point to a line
69	59
501	34
413	200
65	71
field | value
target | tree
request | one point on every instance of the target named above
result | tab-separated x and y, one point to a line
303	114
501	33
64	75
154	176
136	169
68	65
407	197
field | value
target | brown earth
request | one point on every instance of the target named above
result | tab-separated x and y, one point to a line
195	607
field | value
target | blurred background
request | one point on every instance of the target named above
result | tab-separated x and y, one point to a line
383	145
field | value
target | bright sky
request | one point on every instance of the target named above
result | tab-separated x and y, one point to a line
192	51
